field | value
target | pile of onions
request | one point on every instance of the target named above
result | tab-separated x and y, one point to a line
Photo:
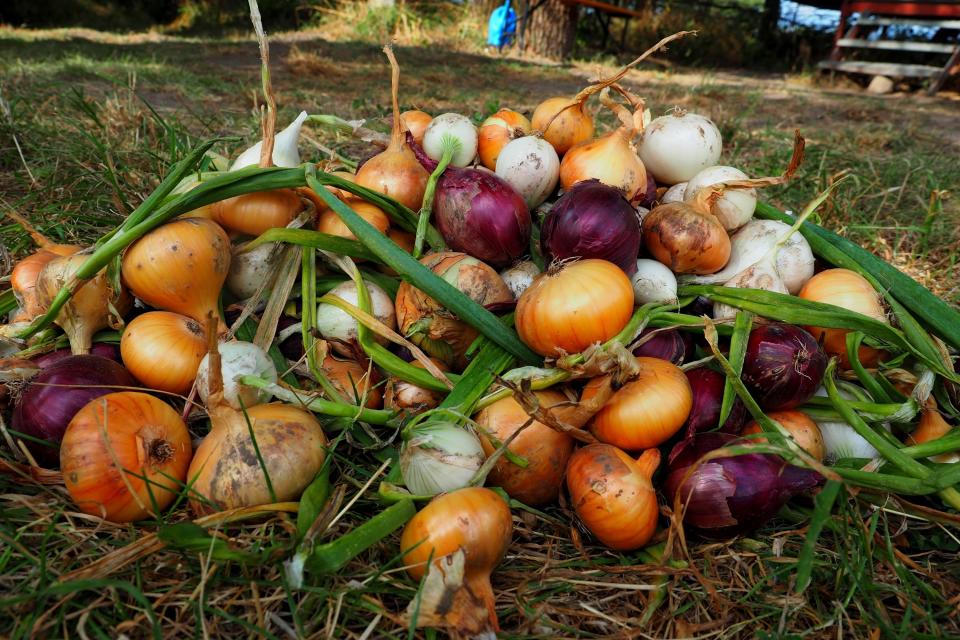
254	213
477	523
666	344
730	495
676	147
496	132
339	327
783	366
532	167
851	291
395	171
545	450
237	359
163	337
592	220
416	122
613	496
686	237
442	336
439	456
53	397
573	306
180	267
645	412
124	456
707	388
801	427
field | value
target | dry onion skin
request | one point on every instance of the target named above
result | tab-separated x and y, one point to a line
163	350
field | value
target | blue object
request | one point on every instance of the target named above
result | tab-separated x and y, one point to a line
502	26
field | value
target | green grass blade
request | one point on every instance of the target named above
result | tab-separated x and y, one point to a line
314	240
333	556
738	352
823	506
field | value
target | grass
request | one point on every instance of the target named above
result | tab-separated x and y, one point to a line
99	119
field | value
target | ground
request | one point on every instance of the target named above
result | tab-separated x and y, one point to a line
88	124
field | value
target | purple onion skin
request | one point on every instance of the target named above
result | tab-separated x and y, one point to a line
478	213
592	220
102	349
649	197
45	410
731	495
783	367
666	344
707	386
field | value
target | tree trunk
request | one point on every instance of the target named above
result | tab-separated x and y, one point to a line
552	29
770	22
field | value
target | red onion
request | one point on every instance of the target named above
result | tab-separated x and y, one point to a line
102	349
707	386
55	395
783	367
649	198
592	220
666	344
734	494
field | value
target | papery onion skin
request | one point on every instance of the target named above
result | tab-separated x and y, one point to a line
675	147
727	496
354	381
783	366
686	239
123	442
573	306
674	193
734	207
496	132
545	450
56	394
439	457
238	359
707	388
592	220
405	396
613	496
254	213
520	276
23	279
802	429
571	127
163	350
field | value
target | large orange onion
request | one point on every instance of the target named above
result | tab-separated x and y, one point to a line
23	278
545	450
331	223
432	327
496	131
573	306
254	213
613	496
573	126
801	428
163	350
124	456
645	412
180	267
850	290
686	238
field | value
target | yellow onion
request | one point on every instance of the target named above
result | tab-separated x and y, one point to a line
23	279
416	122
931	427
496	131
563	122
686	237
254	213
163	350
354	381
331	223
801	427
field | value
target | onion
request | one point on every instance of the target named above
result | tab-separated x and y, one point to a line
124	456
437	457
339	327
285	151
254	213
931	427
401	395
734	494
331	223
248	269
395	171
592	220
783	366
563	122
355	382
531	166
613	495
674	193
520	276
458	127
802	429
163	350
496	132
416	122
23	277
666	344
707	387
53	397
686	238
734	207
840	440
675	147
103	349
653	282
238	359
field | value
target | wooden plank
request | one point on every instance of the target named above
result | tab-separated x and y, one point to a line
606	7
948	70
878	21
882	68
929	10
897	45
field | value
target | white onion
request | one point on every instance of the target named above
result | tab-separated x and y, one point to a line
238	359
653	282
440	457
285	151
531	166
520	276
249	269
674	193
840	440
734	208
457	126
677	146
340	328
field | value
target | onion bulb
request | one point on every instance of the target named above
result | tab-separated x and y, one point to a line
238	359
573	306
801	428
613	494
498	130
676	147
531	166
707	386
180	267
340	328
783	366
355	382
91	307
674	193
734	207
416	122
249	269
456	126
124	456
686	238
572	126
840	440
931	427
285	150
545	449
23	278
653	282
254	213
520	276
401	395
438	457
163	350
395	171
331	223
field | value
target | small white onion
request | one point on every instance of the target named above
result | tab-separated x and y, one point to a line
674	193
653	282
677	146
840	440
520	276
455	125
238	359
735	207
285	151
440	457
531	166
338	326
249	269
